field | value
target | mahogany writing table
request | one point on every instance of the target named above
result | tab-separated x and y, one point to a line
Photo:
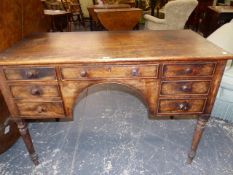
177	73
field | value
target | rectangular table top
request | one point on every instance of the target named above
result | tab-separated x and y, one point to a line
92	47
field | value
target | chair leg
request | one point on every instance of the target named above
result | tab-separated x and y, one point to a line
68	29
81	21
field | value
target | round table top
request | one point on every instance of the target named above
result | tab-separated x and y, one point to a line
55	12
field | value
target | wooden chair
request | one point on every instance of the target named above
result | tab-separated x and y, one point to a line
59	18
157	4
198	14
74	8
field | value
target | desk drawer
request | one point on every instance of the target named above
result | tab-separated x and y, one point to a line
188	70
30	73
44	109
181	106
34	91
185	87
124	71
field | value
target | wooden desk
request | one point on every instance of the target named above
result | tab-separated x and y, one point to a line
93	15
42	76
215	17
119	19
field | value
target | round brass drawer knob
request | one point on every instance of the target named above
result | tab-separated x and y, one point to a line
41	109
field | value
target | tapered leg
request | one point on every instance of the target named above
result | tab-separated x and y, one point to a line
201	122
22	126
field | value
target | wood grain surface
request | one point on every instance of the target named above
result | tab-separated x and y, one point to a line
19	18
87	47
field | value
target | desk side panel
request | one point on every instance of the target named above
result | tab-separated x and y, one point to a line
7	95
216	80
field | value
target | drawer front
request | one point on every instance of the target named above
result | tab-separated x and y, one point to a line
181	106
188	70
34	91
43	109
185	87
129	71
42	73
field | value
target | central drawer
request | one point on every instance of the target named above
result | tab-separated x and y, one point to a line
110	71
41	109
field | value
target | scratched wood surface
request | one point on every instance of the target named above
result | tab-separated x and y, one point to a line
112	46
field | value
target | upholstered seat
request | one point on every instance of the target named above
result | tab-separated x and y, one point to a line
223	37
176	14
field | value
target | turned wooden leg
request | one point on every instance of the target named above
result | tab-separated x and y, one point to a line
22	126
201	122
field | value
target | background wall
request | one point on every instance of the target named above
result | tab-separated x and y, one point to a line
19	18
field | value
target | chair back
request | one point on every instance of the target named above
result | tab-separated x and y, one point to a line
177	13
223	37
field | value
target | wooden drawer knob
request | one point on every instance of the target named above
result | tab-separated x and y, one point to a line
188	70
32	74
134	72
83	73
36	91
41	109
185	88
184	106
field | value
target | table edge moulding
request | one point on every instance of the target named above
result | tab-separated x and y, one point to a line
177	73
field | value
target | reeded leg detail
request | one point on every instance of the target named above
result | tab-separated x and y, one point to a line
22	126
201	122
